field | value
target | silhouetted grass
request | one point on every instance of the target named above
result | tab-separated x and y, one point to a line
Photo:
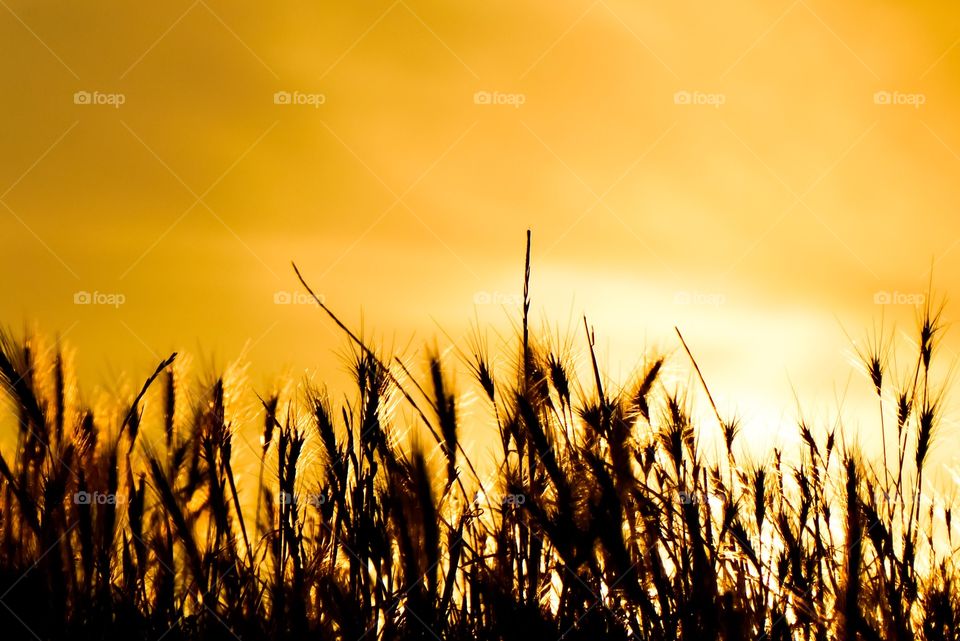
604	519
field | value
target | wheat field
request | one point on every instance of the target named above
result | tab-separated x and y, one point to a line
603	517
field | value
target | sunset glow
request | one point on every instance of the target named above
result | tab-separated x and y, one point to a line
777	182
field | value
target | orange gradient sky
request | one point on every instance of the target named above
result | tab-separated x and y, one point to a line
752	172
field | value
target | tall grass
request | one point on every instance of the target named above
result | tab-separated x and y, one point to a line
604	519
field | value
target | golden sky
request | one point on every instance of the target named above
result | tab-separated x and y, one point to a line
752	172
